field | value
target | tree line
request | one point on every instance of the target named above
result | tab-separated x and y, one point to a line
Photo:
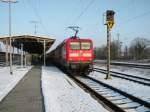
138	49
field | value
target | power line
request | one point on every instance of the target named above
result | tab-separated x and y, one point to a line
35	26
86	8
38	16
133	19
136	17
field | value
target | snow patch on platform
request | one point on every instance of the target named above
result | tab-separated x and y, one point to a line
61	94
8	81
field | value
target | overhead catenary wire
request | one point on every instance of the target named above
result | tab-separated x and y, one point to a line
132	19
38	16
136	17
83	12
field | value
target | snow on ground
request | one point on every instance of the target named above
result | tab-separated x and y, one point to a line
132	71
7	81
61	94
125	85
138	62
128	70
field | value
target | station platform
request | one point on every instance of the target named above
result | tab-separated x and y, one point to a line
26	96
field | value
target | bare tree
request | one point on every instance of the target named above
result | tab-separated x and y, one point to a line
126	54
138	48
100	52
116	49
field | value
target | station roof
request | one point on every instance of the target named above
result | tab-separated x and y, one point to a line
31	43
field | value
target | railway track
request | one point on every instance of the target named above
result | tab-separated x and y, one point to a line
140	80
132	65
116	99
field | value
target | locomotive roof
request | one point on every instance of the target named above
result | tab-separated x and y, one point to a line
76	38
72	38
31	43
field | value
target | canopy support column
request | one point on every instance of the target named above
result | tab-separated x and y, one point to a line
13	55
6	54
21	55
44	53
25	59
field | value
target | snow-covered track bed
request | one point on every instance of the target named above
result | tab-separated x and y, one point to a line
114	98
136	79
126	64
134	65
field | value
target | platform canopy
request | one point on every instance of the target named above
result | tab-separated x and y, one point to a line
31	43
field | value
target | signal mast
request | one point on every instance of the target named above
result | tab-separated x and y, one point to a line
109	23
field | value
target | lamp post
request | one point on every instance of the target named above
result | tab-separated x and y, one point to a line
9	3
35	26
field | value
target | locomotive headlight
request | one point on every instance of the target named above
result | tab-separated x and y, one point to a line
73	54
87	54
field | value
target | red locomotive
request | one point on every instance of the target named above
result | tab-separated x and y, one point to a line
75	55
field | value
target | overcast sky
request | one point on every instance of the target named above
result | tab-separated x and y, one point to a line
132	18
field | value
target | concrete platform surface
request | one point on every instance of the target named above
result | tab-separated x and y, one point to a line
26	96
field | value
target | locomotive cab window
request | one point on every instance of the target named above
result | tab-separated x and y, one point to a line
74	45
85	45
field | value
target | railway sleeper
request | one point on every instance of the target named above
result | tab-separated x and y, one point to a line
117	99
113	94
121	103
128	108
103	93
110	95
132	105
104	90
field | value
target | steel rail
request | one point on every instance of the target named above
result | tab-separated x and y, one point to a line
126	76
136	99
146	79
146	66
98	96
132	65
105	99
